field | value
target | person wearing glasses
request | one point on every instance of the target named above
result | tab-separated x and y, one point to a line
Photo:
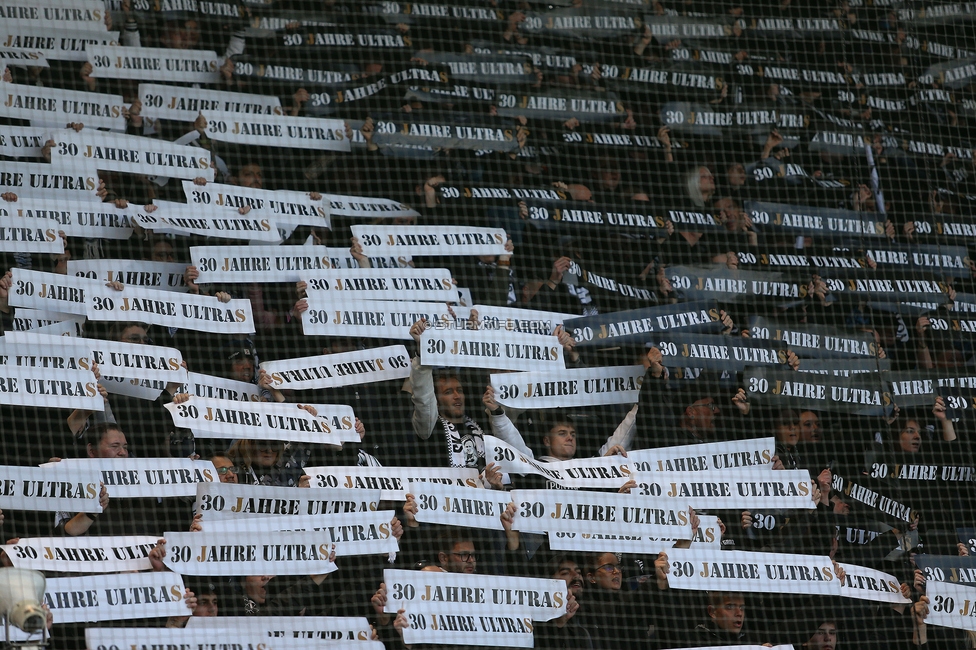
457	554
226	469
614	616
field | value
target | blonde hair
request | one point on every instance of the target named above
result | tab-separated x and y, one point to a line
693	186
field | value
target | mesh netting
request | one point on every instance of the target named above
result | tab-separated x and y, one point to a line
569	324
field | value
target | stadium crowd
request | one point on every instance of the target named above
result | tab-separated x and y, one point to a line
804	170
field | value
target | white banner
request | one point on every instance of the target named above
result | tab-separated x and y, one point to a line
367	206
393	481
18	234
283	553
283	206
146	389
569	387
184	103
870	584
200	638
608	543
55	13
320	628
218	501
217	418
596	512
131	478
65	45
433	285
210	387
85	554
115	358
524	321
165	276
462	630
607	472
21	141
951	605
384	319
540	599
476	349
186	311
33	488
708	536
45	180
130	153
23	57
756	453
453	506
155	64
230	264
343	369
431	240
771	573
352	533
223	223
115	597
279	131
50	291
67	328
31	319
77	217
741	489
49	388
45	352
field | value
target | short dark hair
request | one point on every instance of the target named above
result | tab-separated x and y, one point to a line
451	537
94	435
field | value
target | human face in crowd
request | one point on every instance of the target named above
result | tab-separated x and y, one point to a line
182	36
910	438
461	559
810	427
737	174
570	572
730	615
251	176
607	573
609	178
561	441
825	638
229	474
242	369
701	414
135	334
112	445
450	399
788	434
706	181
162	251
254	587
206	605
266	453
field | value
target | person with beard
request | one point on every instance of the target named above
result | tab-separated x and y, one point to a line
438	403
565	631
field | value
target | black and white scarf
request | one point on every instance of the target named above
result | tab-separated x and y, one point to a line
464	448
